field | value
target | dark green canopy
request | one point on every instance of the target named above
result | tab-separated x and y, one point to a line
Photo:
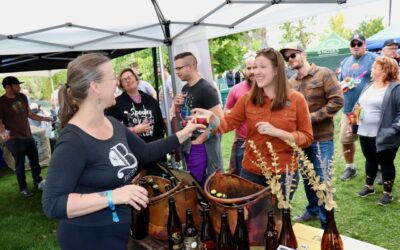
330	52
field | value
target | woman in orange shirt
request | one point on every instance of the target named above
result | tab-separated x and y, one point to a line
273	112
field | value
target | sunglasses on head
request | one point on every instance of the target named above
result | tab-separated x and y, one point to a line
293	56
356	44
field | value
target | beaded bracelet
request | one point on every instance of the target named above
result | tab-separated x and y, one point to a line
112	207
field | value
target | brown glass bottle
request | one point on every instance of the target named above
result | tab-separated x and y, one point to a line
174	227
241	235
287	237
173	181
167	187
156	190
207	234
331	238
225	235
271	234
191	237
140	219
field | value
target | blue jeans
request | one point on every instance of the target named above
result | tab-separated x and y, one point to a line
325	149
235	162
20	148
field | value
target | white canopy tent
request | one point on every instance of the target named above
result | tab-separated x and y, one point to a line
32	30
47	32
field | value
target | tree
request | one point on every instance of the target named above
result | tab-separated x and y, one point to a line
226	52
336	24
371	27
297	32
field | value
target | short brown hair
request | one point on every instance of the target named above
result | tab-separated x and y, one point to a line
127	70
189	56
390	69
281	89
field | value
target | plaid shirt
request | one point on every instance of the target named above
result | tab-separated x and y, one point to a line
324	97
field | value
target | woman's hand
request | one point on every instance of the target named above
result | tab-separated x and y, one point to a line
133	195
187	131
202	112
265	128
142	128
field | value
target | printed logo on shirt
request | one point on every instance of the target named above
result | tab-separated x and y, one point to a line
122	158
141	116
18	107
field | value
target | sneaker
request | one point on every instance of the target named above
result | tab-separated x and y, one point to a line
348	173
306	216
365	191
26	193
379	177
40	185
385	199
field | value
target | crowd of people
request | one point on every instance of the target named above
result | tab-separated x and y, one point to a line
106	140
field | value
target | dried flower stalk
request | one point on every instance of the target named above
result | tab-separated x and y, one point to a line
324	190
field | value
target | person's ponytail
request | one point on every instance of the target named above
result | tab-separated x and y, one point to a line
66	104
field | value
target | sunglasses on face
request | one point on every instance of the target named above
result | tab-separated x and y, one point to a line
356	44
293	56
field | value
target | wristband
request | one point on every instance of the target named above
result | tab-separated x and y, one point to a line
213	126
112	207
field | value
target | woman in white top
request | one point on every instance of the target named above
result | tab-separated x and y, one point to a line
379	126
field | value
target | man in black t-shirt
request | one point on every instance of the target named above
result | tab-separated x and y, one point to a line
205	155
15	131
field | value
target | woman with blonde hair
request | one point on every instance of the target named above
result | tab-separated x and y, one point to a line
88	184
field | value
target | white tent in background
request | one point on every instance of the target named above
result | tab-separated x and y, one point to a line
43	33
50	28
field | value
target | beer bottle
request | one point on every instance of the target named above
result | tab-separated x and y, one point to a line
271	234
156	190
167	187
140	219
287	237
225	235
174	227
331	239
173	181
207	234
191	237
241	235
150	181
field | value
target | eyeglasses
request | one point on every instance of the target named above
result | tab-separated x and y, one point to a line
181	67
293	56
124	80
356	44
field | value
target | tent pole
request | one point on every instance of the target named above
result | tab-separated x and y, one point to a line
390	12
154	55
165	93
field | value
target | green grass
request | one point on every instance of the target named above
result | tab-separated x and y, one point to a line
24	226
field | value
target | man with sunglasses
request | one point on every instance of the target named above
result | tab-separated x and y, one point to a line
321	89
355	73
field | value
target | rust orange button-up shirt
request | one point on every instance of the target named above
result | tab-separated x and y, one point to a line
293	118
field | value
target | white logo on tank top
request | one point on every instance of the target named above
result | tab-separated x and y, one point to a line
121	157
